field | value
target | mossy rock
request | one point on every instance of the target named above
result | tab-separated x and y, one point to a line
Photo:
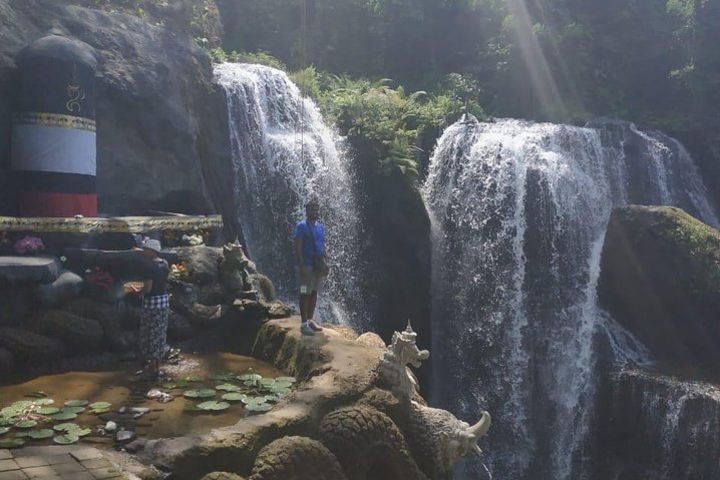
109	316
298	458
80	333
660	278
29	346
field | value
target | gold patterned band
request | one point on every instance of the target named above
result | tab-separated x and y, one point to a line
113	224
54	120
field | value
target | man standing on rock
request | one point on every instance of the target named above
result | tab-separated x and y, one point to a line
309	237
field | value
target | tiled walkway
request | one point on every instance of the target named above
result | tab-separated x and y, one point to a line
57	463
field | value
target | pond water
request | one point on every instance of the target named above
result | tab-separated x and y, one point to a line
194	375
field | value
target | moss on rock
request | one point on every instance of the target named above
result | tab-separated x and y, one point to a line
661	280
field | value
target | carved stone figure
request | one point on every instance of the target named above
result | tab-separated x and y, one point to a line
394	371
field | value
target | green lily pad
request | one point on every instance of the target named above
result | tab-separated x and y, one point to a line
76	403
66	439
4	430
81	432
64	416
201	393
280	391
100	411
8	421
75	410
38	394
12	443
223	377
266	382
66	427
40	434
214	406
44	401
228	387
169	386
26	424
234	397
272	398
100	405
248	400
48	410
22	434
192	379
249	376
258	407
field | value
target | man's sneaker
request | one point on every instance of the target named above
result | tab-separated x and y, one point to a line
314	326
306	329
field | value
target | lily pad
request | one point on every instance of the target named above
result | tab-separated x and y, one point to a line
100	405
44	401
201	393
192	379
249	400
223	377
76	403
64	416
26	424
266	382
214	406
38	394
258	407
48	410
66	439
234	397
280	391
286	379
228	387
4	430
81	432
40	434
66	427
169	386
100	411
75	410
12	443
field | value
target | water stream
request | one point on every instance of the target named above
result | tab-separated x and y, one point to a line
283	152
519	211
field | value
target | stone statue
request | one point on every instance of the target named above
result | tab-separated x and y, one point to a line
394	371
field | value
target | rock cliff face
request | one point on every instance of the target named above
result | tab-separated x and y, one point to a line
661	280
161	124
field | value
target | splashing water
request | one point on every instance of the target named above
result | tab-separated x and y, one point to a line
519	212
282	154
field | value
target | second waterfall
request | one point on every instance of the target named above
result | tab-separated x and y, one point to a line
519	213
282	153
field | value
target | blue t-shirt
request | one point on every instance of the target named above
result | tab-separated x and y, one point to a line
302	230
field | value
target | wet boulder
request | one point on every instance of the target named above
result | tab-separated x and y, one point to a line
77	332
30	347
108	315
202	263
661	280
68	285
15	271
16	305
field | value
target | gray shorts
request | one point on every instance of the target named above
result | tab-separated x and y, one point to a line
308	283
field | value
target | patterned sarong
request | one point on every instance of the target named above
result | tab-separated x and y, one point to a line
153	327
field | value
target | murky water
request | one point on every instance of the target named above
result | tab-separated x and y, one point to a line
122	388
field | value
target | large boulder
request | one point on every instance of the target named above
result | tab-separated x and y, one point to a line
661	280
68	285
162	126
202	263
108	315
15	271
16	304
80	333
30	347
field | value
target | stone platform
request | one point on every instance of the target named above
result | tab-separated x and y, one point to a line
58	463
87	225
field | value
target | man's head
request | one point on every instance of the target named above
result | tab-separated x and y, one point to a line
151	247
312	209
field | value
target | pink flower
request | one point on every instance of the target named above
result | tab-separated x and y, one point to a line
29	245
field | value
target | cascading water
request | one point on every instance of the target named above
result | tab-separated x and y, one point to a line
519	212
282	154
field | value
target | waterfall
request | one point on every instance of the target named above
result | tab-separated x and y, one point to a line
282	154
519	212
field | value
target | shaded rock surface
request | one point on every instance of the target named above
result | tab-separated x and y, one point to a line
657	426
80	333
160	122
16	271
661	280
28	346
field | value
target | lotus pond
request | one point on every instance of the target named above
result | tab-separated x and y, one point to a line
208	391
